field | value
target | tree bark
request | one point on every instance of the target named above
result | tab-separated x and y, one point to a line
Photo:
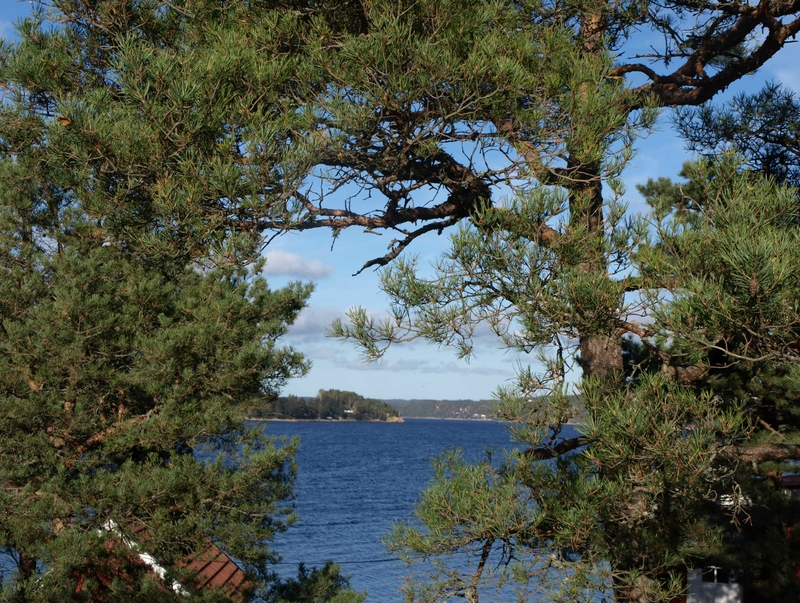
540	453
601	353
601	356
769	452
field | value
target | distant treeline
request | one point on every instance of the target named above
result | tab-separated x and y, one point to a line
444	409
328	404
461	409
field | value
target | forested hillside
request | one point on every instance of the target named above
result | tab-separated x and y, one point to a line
479	410
444	409
327	404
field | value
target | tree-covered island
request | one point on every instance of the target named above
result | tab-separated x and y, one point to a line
330	404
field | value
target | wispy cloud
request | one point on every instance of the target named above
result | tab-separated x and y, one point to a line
781	68
292	264
311	325
310	331
416	366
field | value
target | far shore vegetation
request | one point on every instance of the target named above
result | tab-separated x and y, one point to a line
334	404
331	404
480	410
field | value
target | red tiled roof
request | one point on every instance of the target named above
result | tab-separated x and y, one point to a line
216	570
211	567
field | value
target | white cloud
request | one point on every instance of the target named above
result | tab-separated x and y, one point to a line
311	328
782	68
416	366
292	264
312	323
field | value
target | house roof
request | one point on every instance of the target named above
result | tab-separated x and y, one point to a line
212	567
216	570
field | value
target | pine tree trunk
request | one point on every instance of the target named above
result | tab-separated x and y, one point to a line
601	352
601	356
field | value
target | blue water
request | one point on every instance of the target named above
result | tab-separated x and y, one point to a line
355	479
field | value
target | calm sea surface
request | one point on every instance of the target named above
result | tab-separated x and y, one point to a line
355	479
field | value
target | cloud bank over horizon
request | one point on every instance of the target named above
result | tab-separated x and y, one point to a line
416	366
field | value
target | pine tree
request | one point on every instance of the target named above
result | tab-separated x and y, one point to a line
560	269
764	128
123	396
436	107
136	328
728	255
674	468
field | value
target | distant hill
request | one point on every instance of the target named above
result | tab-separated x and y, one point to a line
461	409
331	404
443	409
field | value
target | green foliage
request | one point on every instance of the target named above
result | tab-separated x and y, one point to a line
711	384
114	372
631	505
714	269
161	111
136	328
444	409
559	269
764	128
502	278
731	264
470	509
328	404
320	585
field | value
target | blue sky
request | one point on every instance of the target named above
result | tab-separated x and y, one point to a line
419	370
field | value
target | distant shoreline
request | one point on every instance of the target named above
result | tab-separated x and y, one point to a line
402	420
266	419
487	420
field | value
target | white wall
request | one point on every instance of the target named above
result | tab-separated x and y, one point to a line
710	592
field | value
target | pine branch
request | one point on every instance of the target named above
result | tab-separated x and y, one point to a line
541	453
399	246
689	84
762	453
98	438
